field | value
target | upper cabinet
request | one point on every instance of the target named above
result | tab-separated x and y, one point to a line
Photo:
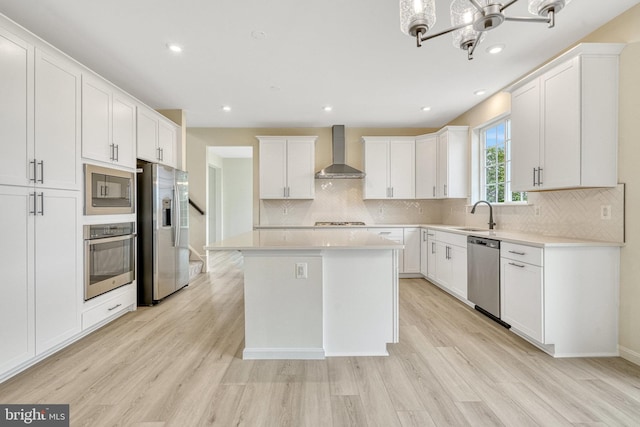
41	122
389	164
442	167
158	138
108	123
287	167
564	121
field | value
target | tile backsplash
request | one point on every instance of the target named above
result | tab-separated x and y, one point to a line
569	213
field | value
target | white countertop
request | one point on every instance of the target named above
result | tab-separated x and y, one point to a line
304	239
539	240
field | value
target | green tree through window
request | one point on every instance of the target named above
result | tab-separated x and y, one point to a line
496	177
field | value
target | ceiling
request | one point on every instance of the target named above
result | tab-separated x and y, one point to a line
278	63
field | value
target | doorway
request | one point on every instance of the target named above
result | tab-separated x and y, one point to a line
229	192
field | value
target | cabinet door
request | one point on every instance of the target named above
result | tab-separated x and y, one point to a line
431	256
147	131
525	136
424	252
443	167
57	122
426	166
402	162
273	168
96	120
167	134
412	239
16	109
300	168
444	273
457	176
376	167
561	126
124	130
57	269
521	297
16	263
458	261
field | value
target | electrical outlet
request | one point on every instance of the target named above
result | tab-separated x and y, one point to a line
301	270
605	212
536	210
420	210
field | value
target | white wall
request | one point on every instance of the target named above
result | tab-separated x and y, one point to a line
237	196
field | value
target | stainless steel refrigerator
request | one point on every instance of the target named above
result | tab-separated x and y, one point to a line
163	232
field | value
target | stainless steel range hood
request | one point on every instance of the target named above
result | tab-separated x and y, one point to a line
338	169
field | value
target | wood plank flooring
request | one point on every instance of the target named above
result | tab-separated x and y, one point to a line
179	364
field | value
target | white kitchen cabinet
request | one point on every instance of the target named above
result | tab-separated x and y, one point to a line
453	164
16	109
431	255
108	123
42	269
521	297
451	263
424	252
287	167
39	118
563	299
157	137
426	166
564	121
389	164
412	240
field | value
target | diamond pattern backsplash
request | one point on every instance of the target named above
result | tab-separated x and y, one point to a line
568	213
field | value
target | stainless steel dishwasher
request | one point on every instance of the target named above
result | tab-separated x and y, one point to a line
483	276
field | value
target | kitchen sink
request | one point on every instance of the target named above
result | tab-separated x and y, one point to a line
469	229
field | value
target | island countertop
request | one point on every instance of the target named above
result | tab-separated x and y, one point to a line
304	239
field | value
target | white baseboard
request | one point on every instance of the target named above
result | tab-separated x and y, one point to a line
630	355
283	353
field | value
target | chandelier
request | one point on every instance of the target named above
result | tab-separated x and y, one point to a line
470	19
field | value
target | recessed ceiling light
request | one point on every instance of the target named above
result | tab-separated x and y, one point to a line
495	49
480	92
426	108
226	108
173	47
258	35
327	108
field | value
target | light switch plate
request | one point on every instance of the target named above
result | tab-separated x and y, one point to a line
301	270
605	212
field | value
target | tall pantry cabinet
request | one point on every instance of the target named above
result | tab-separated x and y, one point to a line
40	179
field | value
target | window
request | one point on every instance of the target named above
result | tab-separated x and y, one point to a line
495	150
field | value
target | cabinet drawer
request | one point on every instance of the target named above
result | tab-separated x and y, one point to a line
452	238
124	301
395	234
523	253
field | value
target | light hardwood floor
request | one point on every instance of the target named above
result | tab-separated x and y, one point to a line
179	364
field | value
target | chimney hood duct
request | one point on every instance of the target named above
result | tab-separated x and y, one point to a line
338	169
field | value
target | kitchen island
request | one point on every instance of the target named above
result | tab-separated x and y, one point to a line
316	293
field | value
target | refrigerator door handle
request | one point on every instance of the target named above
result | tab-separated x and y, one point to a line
176	216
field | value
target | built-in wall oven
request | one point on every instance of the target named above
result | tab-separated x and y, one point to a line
109	257
108	191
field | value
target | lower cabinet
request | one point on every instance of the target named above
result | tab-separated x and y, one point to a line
450	262
412	239
106	307
521	297
424	252
41	263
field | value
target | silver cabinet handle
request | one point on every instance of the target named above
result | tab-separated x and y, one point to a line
111	150
35	173
539	176
434	191
445	189
117	152
114	307
424	236
41	163
517	253
516	265
433	247
32	212
41	196
534	177
391	191
384	232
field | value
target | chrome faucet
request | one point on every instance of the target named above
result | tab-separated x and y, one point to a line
473	210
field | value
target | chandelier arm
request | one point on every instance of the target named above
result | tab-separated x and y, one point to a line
477	5
447	31
507	5
527	19
472	49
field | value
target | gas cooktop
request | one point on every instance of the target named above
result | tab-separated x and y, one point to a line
338	223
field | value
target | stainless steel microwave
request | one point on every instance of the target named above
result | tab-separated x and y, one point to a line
108	191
